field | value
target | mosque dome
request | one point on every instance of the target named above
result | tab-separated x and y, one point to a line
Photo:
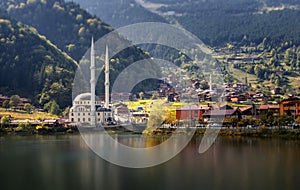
85	96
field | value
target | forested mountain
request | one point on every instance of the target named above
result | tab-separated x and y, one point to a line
267	30
67	26
32	66
215	22
241	22
119	12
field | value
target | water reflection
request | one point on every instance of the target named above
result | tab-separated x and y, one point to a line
65	162
134	156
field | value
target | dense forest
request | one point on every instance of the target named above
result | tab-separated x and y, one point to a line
32	66
65	24
119	12
218	22
215	22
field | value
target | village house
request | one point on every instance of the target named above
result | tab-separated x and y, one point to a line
191	112
268	108
219	115
121	109
23	101
247	111
276	90
290	106
238	98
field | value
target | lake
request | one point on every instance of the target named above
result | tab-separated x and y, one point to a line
66	162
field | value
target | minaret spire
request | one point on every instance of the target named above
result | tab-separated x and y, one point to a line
93	84
106	78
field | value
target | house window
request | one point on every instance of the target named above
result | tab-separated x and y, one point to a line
78	114
83	119
78	119
83	114
89	119
72	119
72	114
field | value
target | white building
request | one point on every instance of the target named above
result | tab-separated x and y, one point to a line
81	110
87	108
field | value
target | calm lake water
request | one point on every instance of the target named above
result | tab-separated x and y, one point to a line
65	162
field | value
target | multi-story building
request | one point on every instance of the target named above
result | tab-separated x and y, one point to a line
290	106
81	110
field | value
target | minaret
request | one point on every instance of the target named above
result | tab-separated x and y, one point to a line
93	84
106	78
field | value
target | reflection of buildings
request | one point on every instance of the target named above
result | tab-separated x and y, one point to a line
86	107
290	106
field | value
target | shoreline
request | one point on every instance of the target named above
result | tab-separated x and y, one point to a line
237	132
199	132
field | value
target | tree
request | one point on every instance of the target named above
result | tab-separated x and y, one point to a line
66	111
52	107
14	101
4	120
141	95
5	104
28	107
232	120
283	120
267	118
157	116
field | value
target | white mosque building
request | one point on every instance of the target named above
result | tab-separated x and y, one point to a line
87	108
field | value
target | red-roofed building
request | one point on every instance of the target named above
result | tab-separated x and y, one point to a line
247	111
219	115
269	108
191	112
290	106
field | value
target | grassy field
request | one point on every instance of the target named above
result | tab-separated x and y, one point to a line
240	75
21	115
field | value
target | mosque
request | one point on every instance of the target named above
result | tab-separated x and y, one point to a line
87	108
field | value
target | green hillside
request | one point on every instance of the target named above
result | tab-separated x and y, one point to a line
65	24
119	12
243	22
31	66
